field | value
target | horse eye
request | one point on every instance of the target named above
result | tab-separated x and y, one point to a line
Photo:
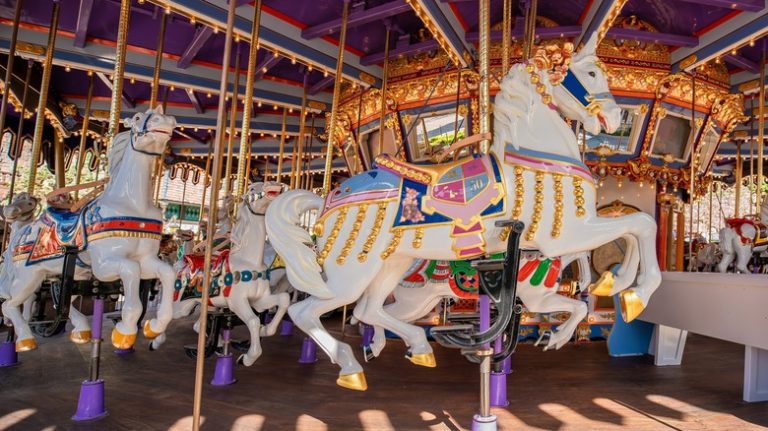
592	74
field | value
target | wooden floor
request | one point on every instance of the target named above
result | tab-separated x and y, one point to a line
576	388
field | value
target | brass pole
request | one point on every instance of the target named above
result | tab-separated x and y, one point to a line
336	99
761	136
9	67
243	159
183	198
308	164
738	173
158	62
84	133
205	191
692	184
117	82
58	159
529	30
299	143
709	223
158	179
45	83
216	182
279	175
385	77
506	36
484	91
232	125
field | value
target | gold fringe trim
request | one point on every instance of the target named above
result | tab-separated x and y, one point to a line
417	238
557	224
333	235
124	234
538	206
517	210
381	212
578	191
361	210
393	243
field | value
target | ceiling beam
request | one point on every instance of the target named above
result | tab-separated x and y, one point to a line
745	5
541	32
81	27
202	34
199	108
401	50
275	33
126	100
269	62
356	19
647	36
734	33
596	15
449	28
742	62
321	85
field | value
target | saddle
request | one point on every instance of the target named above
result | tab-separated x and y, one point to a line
761	230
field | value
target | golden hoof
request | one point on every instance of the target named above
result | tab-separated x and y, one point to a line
26	345
603	286
148	332
80	337
122	341
423	359
631	305
353	381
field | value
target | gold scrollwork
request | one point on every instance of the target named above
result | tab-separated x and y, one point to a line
381	212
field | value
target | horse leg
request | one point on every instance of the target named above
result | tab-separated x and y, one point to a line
541	300
238	304
129	272
265	302
743	253
155	267
22	288
81	329
185	307
26	310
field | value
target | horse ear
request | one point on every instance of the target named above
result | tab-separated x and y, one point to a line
589	47
159	109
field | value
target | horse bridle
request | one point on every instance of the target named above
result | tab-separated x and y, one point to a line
592	103
141	132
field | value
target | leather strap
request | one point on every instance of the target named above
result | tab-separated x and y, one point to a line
461	144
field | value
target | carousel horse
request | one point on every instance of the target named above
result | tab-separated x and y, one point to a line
448	212
117	236
741	238
241	280
706	257
428	282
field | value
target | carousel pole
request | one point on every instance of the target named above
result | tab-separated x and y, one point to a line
691	187
336	99
506	37
84	133
9	68
117	83
232	125
761	136
709	223
216	182
154	90
738	173
205	191
183	199
300	139
383	105
244	155
90	405
484	90
485	421
279	174
45	83
308	164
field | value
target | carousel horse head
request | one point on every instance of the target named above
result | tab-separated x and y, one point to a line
150	131
261	194
184	235
22	208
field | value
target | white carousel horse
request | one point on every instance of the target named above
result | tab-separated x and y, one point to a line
243	278
118	235
741	238
447	212
706	257
539	294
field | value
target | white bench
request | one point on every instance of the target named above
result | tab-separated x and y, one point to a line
726	306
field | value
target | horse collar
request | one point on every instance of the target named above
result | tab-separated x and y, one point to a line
141	132
254	212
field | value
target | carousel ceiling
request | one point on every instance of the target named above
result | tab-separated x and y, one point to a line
298	48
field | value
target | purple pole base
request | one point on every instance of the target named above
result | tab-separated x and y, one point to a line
8	355
286	328
506	366
484	423
224	373
123	352
308	351
90	405
267	319
367	335
499	390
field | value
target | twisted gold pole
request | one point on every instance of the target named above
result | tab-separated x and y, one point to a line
484	91
232	124
506	37
45	83
221	121
205	191
383	106
760	136
279	174
243	159
336	99
9	66
117	82
158	62
84	133
300	139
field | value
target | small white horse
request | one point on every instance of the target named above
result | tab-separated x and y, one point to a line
741	238
400	212
118	235
413	303
243	280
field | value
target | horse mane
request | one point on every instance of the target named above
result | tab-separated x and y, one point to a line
239	229
117	151
511	105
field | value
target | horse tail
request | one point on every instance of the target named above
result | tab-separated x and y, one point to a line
294	244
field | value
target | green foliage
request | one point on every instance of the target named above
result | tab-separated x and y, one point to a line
445	138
